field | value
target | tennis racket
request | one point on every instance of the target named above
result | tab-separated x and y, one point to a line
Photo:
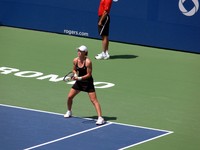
68	76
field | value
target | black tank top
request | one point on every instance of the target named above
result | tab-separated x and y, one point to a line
82	71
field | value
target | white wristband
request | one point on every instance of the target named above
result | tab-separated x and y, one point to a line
79	78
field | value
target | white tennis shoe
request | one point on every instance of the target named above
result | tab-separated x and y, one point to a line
102	56
107	56
100	121
68	114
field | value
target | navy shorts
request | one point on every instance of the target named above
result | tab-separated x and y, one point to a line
104	29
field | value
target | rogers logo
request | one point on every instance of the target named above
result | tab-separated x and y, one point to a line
188	12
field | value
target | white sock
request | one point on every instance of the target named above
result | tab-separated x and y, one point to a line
103	54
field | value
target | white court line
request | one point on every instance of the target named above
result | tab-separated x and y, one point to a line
66	137
30	109
148	128
145	141
108	123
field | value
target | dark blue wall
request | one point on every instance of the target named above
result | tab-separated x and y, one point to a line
158	23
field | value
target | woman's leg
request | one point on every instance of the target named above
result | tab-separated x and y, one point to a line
95	102
71	95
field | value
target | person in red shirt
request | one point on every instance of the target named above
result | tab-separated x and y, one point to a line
103	27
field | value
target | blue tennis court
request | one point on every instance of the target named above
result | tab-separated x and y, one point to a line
23	128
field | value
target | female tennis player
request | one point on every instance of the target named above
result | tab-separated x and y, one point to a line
82	69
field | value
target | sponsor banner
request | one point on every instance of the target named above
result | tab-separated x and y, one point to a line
171	24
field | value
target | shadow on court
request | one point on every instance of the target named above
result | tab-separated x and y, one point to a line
123	56
95	117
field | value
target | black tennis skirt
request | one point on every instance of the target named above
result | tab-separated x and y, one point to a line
85	86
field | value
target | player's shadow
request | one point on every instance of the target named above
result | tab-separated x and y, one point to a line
92	119
123	56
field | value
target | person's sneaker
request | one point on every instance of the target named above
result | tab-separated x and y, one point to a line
100	121
107	56
100	56
68	114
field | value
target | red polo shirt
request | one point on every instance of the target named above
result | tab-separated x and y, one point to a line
105	5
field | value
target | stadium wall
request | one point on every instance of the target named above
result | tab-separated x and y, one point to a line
170	24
